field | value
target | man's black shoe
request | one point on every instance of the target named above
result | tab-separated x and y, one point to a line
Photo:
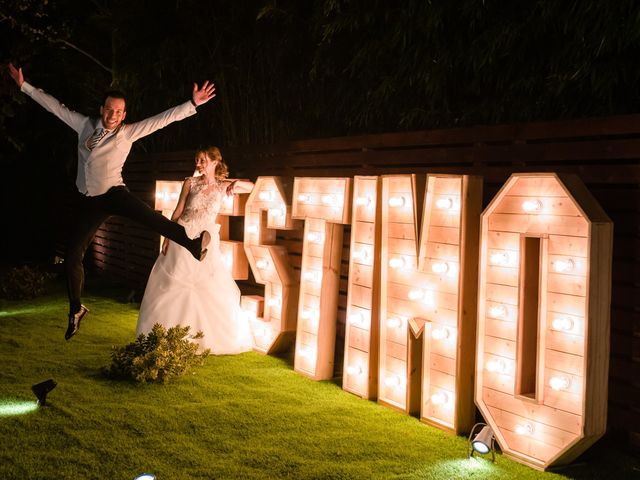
74	322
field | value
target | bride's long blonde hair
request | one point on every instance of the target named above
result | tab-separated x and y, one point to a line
213	153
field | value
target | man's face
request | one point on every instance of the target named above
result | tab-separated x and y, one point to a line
113	112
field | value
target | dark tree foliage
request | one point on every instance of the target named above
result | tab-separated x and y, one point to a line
419	64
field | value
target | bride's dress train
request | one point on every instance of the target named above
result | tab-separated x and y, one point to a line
184	291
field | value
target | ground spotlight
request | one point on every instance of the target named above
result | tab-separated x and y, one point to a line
483	442
40	390
145	476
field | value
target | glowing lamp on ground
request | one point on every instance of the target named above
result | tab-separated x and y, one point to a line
498	312
483	442
398	262
524	429
440	333
563	266
397	202
496	366
563	324
355	370
558	383
532	205
266	195
440	398
145	476
440	267
444	204
42	389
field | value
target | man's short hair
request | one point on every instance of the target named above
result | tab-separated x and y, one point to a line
114	94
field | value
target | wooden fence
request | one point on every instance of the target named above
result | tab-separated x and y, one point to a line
604	152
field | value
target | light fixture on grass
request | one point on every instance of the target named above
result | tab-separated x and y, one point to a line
40	390
483	442
145	476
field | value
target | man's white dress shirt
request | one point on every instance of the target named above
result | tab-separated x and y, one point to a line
101	168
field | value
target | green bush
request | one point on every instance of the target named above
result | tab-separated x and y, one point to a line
159	356
23	283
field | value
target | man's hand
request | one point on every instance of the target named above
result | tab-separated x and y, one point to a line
16	74
204	94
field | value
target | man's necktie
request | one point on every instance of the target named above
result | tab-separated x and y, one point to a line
96	137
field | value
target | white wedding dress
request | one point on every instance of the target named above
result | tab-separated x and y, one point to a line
203	295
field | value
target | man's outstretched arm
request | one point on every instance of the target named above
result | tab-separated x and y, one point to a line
73	119
200	96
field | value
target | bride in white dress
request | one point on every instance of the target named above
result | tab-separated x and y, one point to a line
202	294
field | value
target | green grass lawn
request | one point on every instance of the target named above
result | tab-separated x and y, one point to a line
245	416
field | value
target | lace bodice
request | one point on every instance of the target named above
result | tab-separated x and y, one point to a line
202	206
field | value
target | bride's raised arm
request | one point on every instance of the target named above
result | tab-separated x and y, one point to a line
239	186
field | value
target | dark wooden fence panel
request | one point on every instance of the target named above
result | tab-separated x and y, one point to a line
604	152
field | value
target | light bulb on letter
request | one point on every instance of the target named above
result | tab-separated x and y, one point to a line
498	311
266	195
263	264
394	322
393	381
496	366
312	276
354	370
416	294
397	262
440	398
253	229
532	205
315	237
356	319
500	258
364	201
559	382
562	324
561	266
304	198
525	429
440	333
396	202
440	267
444	203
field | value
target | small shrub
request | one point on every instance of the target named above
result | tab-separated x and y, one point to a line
159	356
23	283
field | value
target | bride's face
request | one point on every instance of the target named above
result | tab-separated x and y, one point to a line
205	165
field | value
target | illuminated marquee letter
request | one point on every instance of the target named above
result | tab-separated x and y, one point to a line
543	318
324	204
273	317
428	297
361	342
449	265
